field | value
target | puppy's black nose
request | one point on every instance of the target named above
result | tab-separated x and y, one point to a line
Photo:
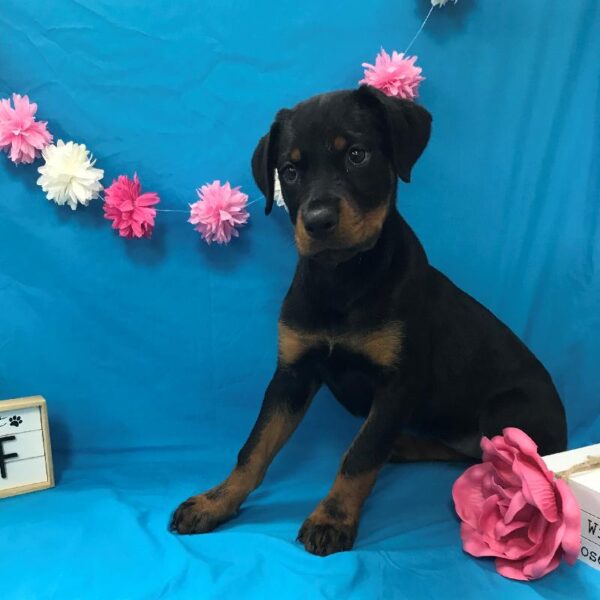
320	220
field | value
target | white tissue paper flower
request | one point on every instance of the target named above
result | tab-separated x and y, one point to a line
68	175
277	194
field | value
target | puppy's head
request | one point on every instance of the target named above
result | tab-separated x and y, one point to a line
338	156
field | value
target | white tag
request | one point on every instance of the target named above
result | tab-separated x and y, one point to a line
586	488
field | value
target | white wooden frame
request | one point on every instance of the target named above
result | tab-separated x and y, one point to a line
15	404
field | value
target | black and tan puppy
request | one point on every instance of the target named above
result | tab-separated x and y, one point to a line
395	340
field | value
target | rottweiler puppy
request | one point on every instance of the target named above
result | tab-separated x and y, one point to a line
428	367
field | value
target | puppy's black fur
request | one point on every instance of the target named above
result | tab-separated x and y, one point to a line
366	314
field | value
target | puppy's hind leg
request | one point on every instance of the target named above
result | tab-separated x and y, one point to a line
534	407
409	448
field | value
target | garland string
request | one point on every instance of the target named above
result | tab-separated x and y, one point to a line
419	30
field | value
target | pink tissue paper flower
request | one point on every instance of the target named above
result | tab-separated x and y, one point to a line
218	212
131	212
21	136
512	508
394	75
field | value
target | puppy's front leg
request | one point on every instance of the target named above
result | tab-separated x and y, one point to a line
286	400
333	525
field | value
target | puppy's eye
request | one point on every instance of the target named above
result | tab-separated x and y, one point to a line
290	174
358	156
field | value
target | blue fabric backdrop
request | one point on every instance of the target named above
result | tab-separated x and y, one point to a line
153	355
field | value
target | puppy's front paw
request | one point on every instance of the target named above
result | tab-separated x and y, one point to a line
323	535
199	514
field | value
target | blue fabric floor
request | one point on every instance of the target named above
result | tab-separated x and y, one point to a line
102	534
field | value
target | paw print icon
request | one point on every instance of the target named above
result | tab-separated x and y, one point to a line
15	421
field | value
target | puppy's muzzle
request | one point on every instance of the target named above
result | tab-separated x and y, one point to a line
321	218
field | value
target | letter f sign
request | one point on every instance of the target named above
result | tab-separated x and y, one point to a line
5	457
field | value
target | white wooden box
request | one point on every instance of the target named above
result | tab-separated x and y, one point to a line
25	452
586	488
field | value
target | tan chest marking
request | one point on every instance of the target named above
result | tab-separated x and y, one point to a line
381	346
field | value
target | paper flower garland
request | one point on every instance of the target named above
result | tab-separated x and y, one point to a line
21	136
218	212
69	176
394	75
277	193
129	210
512	508
397	75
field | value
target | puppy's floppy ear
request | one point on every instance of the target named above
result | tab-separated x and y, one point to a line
408	126
264	160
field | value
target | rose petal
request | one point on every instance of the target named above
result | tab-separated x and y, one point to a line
502	529
512	569
492	486
537	528
473	543
525	445
517	545
536	488
539	563
501	456
516	504
468	495
490	515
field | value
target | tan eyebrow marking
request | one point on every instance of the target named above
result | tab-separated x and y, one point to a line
296	155
340	142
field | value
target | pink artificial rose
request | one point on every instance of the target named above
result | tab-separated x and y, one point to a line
511	507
